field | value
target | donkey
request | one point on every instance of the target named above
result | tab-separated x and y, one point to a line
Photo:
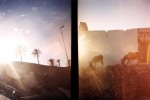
96	59
130	56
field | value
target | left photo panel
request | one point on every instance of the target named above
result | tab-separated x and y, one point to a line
35	49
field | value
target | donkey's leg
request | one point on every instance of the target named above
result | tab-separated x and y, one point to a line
138	60
102	62
127	62
90	65
94	65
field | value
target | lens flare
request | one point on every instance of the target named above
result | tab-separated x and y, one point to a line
14	74
83	46
148	54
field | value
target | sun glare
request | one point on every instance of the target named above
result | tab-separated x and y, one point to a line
7	49
148	54
82	46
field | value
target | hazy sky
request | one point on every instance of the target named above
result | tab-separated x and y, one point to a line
35	24
114	14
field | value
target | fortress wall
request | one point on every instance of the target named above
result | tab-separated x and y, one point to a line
114	42
130	41
113	45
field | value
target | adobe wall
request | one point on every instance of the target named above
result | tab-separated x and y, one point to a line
113	45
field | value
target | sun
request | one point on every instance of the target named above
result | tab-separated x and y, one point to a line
7	49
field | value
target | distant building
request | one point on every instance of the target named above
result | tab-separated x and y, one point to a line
114	44
83	26
143	44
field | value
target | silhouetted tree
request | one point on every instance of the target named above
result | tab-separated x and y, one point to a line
20	51
51	62
36	53
58	61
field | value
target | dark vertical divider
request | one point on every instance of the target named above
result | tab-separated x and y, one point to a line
74	50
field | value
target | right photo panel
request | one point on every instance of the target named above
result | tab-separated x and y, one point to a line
114	49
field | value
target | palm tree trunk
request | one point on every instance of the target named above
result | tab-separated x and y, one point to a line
20	56
38	59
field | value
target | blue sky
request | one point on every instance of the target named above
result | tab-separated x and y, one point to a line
114	14
36	23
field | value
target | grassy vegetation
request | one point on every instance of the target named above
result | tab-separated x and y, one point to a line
115	83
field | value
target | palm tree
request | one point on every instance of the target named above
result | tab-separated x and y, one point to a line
20	50
58	61
36	53
51	62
